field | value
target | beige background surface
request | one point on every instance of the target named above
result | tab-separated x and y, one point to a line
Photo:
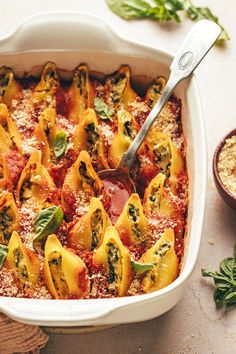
194	325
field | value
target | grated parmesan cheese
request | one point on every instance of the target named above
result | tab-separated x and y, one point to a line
82	203
65	124
166	121
138	106
227	164
106	133
29	145
22	112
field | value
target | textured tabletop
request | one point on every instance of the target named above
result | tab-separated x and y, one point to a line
194	325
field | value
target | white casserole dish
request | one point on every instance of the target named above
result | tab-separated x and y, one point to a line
69	39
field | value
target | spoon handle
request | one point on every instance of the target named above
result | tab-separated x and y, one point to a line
198	42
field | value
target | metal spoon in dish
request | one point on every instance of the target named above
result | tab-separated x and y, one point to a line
198	42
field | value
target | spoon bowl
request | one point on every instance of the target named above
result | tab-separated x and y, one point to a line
118	188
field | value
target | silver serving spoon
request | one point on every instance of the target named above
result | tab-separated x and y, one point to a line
198	42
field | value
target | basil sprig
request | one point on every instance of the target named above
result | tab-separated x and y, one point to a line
204	13
3	254
102	109
47	221
141	267
163	11
225	281
60	144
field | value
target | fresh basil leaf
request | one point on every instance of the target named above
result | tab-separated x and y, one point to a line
230	299
163	11
129	9
167	10
60	144
226	266
102	109
234	270
218	277
200	13
159	10
47	221
141	267
3	254
219	295
225	292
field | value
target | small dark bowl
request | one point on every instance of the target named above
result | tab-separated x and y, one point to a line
228	197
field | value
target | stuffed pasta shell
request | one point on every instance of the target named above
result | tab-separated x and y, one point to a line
119	92
45	90
23	261
10	137
155	91
48	136
127	130
153	197
80	184
166	155
81	93
162	255
9	217
89	231
65	273
132	224
87	137
35	183
115	257
9	88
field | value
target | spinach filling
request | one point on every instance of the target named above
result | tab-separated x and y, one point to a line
93	137
163	156
25	191
51	80
18	256
6	221
134	216
82	83
161	252
158	254
4	82
118	84
155	92
58	277
19	263
128	129
96	223
155	198
84	172
24	272
113	263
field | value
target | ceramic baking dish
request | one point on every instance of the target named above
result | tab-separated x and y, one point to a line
69	39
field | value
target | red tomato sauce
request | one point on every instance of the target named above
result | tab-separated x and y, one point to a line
63	102
15	165
118	195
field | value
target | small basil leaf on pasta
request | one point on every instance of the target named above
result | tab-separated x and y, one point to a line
47	221
102	109
60	144
141	267
3	254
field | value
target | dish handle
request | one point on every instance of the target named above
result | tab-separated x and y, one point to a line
62	31
65	312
